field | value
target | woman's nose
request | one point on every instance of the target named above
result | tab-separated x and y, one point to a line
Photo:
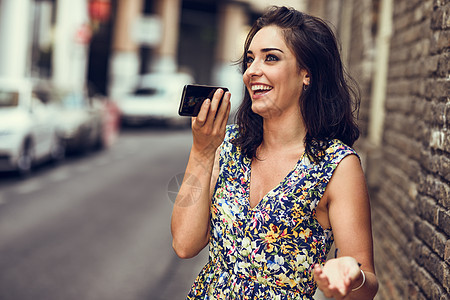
254	69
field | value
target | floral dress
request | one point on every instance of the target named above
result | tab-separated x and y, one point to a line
268	251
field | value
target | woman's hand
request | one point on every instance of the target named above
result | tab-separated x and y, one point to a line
208	128
338	276
191	212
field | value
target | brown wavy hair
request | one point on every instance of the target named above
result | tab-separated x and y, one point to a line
329	105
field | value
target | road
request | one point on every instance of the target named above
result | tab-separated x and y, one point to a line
97	227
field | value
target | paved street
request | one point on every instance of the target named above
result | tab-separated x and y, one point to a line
97	227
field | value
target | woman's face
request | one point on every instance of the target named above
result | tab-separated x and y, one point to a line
273	78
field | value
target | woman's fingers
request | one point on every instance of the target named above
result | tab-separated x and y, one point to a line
211	114
224	111
201	118
214	107
322	281
330	287
320	276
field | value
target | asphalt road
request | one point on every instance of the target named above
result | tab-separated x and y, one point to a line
97	227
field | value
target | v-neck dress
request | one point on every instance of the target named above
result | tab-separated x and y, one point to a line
268	251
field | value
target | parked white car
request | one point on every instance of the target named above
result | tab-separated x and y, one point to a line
79	120
156	97
28	129
85	121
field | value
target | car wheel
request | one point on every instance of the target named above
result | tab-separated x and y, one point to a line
99	140
26	159
85	143
58	152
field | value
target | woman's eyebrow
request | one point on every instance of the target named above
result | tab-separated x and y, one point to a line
266	50
271	49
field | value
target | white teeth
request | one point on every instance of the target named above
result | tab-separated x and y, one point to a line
261	88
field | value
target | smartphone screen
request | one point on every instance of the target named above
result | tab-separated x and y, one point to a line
193	97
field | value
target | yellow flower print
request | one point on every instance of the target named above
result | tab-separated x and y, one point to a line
286	248
272	234
297	212
273	228
314	247
282	280
306	233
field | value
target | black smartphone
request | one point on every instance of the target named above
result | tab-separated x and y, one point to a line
193	97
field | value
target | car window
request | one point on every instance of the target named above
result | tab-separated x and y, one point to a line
74	101
9	99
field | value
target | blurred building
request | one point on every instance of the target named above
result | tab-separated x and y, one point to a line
14	38
105	44
36	40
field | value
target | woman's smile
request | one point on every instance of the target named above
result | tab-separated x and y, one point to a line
259	90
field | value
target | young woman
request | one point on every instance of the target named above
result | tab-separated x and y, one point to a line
272	193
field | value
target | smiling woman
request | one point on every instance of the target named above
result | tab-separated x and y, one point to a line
281	185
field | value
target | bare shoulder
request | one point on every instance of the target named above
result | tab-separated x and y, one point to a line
347	192
348	172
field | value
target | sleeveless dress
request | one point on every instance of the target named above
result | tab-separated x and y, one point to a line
268	251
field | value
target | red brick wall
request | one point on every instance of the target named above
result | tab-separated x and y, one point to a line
413	197
409	173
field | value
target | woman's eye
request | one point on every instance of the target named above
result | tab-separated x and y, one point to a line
271	57
249	60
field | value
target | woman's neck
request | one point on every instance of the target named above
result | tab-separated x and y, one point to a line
284	133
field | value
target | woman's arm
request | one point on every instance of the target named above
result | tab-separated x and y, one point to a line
349	215
191	211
